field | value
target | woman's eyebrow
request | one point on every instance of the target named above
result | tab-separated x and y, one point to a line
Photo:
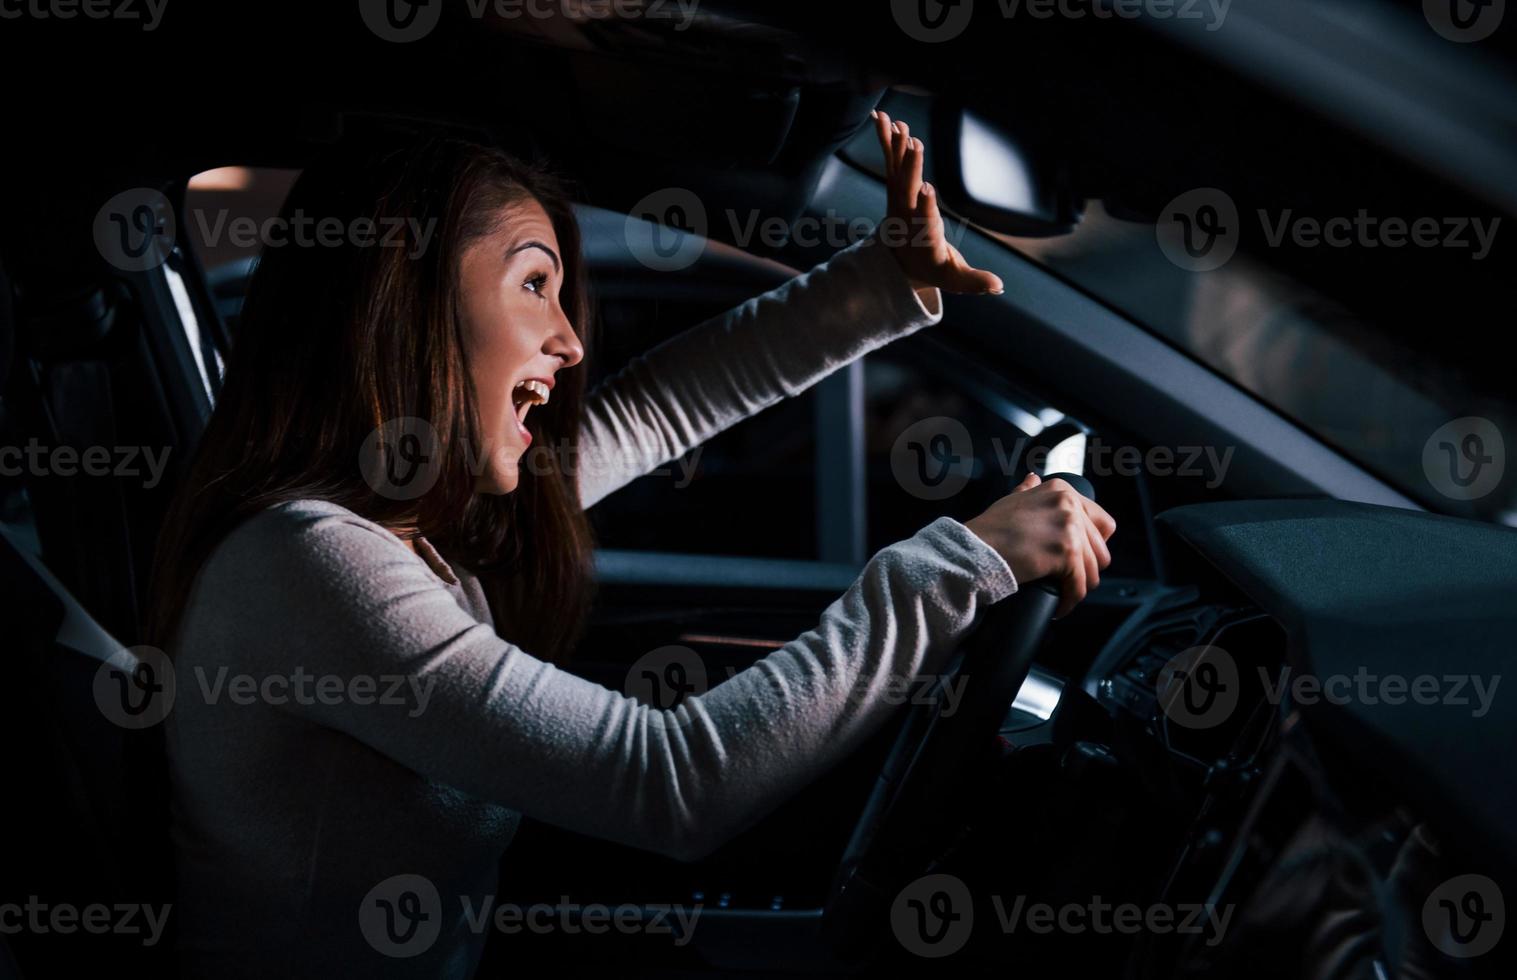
536	244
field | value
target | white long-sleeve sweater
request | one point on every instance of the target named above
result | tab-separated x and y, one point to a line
342	818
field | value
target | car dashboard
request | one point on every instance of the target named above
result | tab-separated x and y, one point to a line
1300	724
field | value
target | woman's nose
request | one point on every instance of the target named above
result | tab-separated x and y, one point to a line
565	343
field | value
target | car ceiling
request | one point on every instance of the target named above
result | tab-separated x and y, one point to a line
742	103
744	98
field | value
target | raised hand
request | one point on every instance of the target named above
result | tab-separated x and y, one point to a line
914	227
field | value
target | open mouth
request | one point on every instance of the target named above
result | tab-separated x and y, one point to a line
524	396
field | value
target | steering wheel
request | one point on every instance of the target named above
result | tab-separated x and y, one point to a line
936	754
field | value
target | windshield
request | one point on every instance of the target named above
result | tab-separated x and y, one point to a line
1380	330
1423	424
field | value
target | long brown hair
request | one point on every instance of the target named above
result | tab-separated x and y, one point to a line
336	341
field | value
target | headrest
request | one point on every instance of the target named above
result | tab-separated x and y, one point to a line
73	325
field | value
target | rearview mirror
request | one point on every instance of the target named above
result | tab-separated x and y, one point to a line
1002	182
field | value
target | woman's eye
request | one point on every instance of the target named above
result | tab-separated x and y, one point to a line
537	283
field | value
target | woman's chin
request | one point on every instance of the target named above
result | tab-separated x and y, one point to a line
503	477
500	486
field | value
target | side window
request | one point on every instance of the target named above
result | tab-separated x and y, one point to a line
851	465
227	211
920	431
749	491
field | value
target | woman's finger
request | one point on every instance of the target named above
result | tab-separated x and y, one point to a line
915	154
967	279
902	140
883	131
1092	563
1098	544
1028	482
927	204
1073	589
1098	516
964	278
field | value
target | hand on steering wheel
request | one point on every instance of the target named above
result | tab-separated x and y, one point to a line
939	757
1049	530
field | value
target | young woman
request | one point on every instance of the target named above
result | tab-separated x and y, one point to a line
368	697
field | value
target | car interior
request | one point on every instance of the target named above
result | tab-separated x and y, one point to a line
1291	522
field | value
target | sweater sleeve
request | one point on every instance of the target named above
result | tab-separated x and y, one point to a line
697	383
490	719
